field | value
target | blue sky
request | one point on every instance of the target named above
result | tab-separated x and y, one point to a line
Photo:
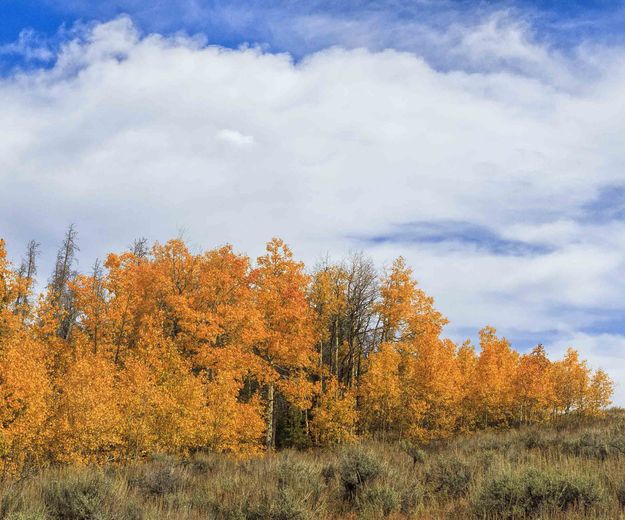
480	140
232	23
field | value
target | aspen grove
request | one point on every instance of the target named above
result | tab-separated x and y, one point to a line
163	350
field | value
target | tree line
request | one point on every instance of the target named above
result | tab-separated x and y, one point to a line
159	349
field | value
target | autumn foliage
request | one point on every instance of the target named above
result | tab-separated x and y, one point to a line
164	350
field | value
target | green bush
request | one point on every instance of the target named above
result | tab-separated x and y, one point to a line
159	477
381	500
25	516
491	442
293	472
411	497
202	463
620	493
329	473
449	476
80	496
414	452
357	469
525	495
10	500
535	440
579	491
222	508
285	505
592	446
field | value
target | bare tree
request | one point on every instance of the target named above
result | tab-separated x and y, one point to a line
27	272
359	323
352	319
99	299
139	247
60	291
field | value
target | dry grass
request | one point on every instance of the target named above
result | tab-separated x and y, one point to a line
573	470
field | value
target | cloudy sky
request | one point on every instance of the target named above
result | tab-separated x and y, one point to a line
484	142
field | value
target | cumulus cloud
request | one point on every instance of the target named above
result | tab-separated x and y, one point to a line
235	138
485	177
29	46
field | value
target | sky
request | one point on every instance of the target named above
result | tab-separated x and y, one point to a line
482	141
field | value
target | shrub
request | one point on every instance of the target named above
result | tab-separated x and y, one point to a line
285	506
25	516
577	491
449	476
380	499
535	440
503	497
79	496
411	498
10	500
159	477
222	508
414	452
202	463
301	478
358	468
591	446
492	442
292	472
620	493
329	473
524	495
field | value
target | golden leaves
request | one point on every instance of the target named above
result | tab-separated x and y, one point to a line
169	350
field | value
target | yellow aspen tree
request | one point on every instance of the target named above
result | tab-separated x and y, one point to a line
202	307
571	377
9	291
163	403
335	416
496	368
129	284
86	415
429	377
432	388
24	383
24	402
287	348
466	358
406	312
599	393
380	392
328	299
229	425
533	384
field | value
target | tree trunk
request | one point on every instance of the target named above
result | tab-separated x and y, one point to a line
321	363
306	422
269	418
336	348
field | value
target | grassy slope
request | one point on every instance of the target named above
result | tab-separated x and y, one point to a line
575	470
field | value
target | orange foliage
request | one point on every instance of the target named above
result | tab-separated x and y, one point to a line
165	350
335	417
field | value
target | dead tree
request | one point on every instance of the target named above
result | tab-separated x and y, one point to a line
27	273
60	291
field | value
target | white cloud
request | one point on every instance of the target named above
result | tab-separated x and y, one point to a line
29	46
235	138
131	135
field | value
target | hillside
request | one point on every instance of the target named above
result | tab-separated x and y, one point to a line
573	469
